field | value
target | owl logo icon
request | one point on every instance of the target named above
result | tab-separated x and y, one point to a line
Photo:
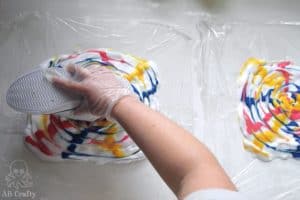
18	176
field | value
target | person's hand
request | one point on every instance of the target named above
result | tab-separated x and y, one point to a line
100	87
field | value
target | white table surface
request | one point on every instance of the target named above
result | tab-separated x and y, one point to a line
168	32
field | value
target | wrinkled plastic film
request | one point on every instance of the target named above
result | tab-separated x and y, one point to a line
222	49
198	60
29	35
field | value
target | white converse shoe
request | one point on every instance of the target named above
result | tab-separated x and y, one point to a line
55	137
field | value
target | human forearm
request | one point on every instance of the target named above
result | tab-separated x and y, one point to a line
182	161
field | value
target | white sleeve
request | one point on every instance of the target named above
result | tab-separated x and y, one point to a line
215	194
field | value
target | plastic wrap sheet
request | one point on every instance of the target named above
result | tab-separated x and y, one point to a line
220	53
33	31
198	66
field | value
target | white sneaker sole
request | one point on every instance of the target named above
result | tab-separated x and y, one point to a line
33	93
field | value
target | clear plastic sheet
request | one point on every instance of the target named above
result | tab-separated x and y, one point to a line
222	49
198	58
33	31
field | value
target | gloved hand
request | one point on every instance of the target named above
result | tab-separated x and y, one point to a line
100	87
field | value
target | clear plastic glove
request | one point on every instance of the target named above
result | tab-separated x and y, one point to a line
100	87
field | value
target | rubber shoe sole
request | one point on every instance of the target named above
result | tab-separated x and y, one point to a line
33	93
